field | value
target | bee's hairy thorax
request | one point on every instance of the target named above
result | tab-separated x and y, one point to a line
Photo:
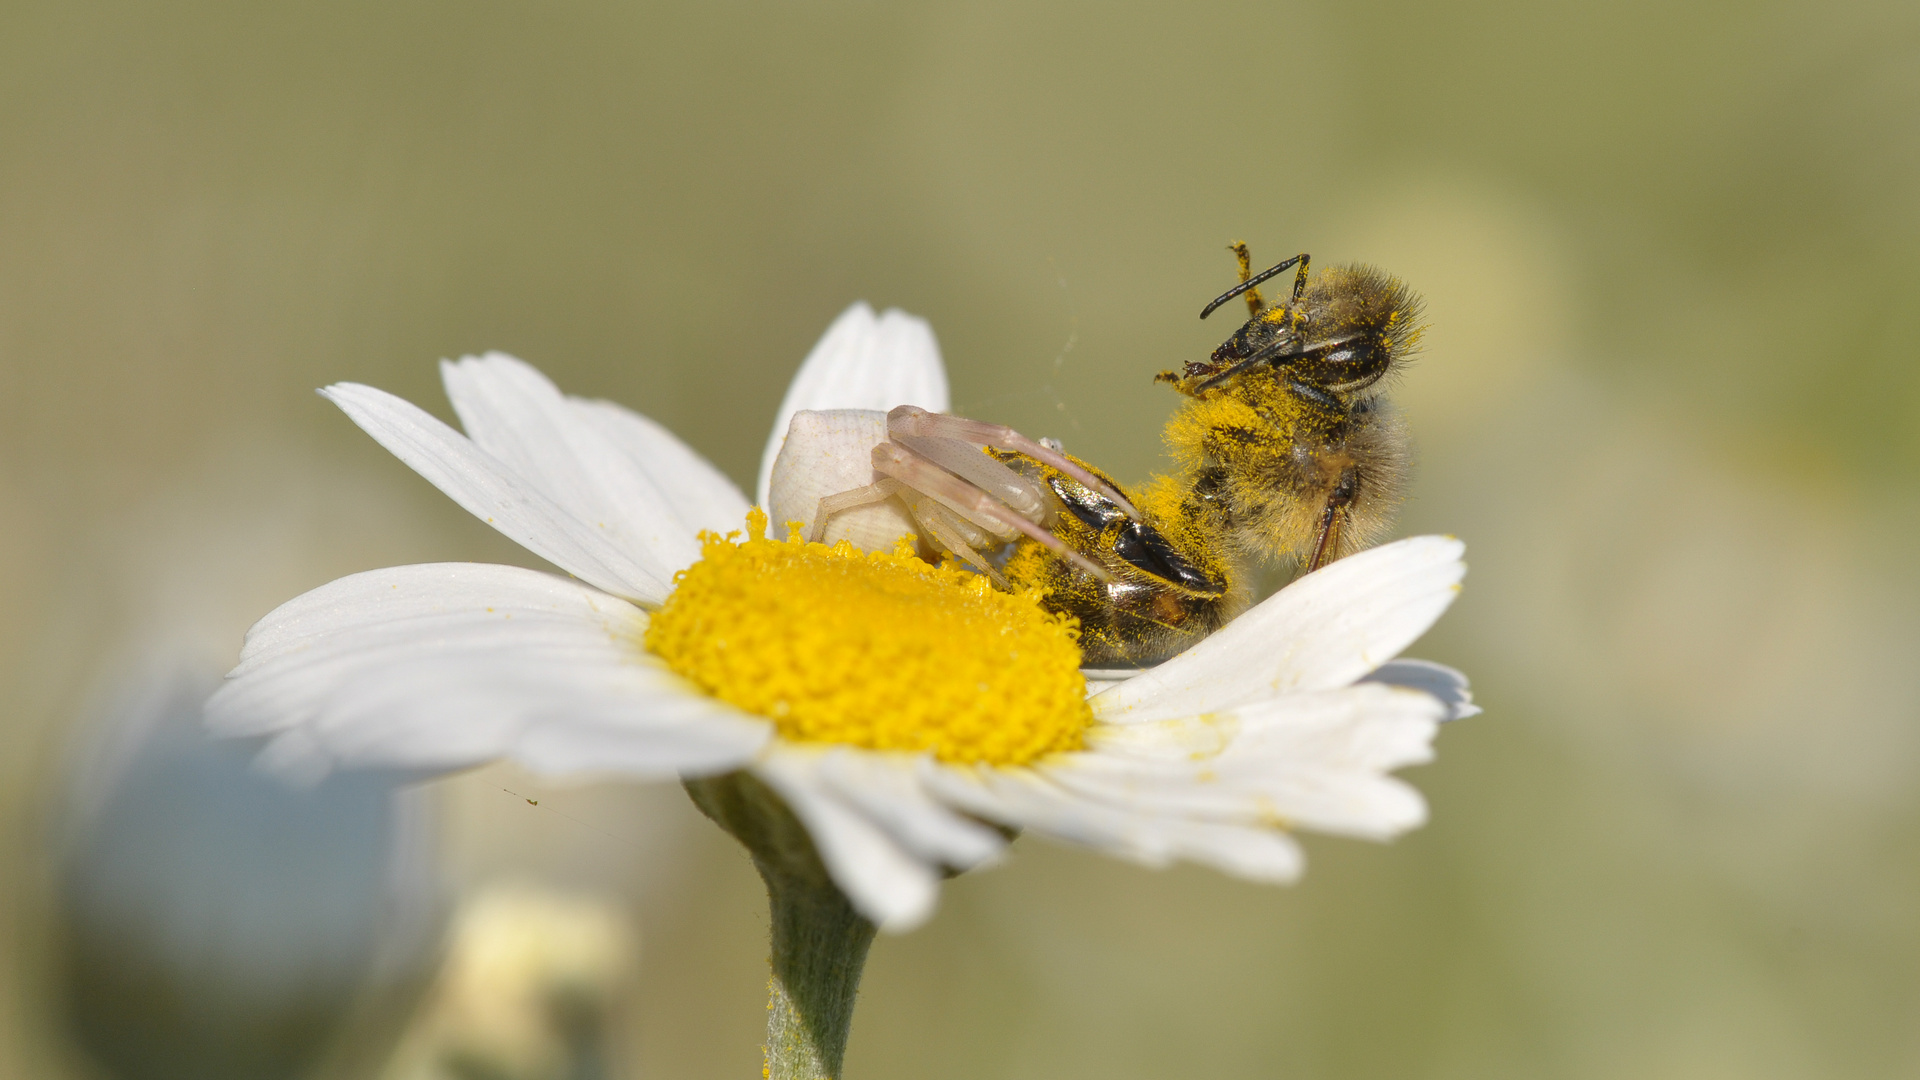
1260	465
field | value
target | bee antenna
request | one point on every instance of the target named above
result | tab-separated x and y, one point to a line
1257	279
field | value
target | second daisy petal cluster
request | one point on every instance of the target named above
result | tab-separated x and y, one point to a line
900	709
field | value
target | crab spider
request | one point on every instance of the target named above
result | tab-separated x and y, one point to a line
966	500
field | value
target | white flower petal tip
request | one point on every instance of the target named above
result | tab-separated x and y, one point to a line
1445	684
1050	802
825	453
701	495
496	493
444	666
889	789
863	361
516	414
1316	760
885	880
1325	630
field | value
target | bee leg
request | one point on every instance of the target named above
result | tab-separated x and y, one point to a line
1333	520
1313	395
881	491
911	420
1255	304
969	502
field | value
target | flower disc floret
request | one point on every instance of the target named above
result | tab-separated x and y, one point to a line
873	649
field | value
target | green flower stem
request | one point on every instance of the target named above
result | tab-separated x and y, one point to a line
819	941
819	946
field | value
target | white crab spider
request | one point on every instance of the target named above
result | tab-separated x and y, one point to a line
963	499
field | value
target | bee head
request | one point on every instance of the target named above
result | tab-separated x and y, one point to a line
1349	327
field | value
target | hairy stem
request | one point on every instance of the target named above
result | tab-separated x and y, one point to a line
819	946
819	941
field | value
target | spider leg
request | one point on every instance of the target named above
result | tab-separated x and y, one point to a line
911	420
971	503
950	532
953	534
847	500
1026	497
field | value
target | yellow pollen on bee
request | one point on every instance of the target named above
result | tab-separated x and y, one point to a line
877	650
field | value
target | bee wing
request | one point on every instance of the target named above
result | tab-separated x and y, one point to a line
1146	549
1142	546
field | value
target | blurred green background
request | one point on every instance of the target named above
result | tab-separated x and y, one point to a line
1670	399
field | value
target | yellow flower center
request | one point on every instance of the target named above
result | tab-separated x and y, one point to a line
881	651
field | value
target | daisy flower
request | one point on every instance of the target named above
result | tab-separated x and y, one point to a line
861	712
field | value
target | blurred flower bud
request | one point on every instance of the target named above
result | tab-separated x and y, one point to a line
217	923
529	980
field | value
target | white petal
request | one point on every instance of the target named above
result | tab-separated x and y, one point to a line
886	788
885	882
297	758
1370	806
490	490
862	362
448	665
1296	726
1443	682
826	453
515	413
1101	680
1325	630
1027	799
1316	760
700	494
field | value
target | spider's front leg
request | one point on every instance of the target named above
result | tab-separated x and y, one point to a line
964	500
953	534
975	503
909	423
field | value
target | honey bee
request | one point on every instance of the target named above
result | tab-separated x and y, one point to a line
1285	452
